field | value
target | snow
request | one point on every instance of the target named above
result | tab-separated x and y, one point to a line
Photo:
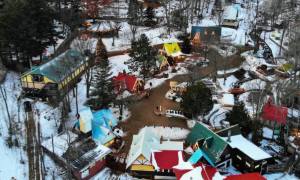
293	113
247	147
169	133
281	176
183	165
60	143
230	13
12	158
227	100
118	64
267	133
194	174
216	116
229	82
157	82
156	36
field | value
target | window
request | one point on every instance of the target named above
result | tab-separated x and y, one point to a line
37	78
85	173
257	166
248	164
239	157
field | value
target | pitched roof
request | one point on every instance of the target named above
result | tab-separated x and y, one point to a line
172	49
60	67
142	144
247	147
247	176
164	159
125	79
147	142
215	144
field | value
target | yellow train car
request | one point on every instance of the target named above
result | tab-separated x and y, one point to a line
56	77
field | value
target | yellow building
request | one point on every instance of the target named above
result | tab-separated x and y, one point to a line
56	77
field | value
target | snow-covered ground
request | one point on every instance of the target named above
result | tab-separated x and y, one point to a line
13	160
168	133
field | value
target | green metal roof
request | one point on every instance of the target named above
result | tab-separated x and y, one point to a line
215	144
60	67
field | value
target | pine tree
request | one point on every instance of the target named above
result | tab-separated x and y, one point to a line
239	115
186	46
27	27
101	94
197	100
133	12
143	56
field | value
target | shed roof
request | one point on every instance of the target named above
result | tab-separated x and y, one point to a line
215	144
60	67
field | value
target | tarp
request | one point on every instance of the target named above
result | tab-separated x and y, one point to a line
172	48
275	113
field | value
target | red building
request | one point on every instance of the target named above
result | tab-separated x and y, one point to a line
127	82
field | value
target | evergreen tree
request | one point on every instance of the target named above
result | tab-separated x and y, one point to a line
143	56
197	100
101	94
186	46
239	115
27	27
133	12
179	20
150	13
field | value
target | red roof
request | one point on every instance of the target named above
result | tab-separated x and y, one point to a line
272	112
165	159
247	176
124	79
207	172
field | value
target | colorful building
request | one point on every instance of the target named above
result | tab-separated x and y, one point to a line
128	82
55	78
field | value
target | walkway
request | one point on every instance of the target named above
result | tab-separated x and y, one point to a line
142	111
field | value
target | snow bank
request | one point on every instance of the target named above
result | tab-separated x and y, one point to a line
170	133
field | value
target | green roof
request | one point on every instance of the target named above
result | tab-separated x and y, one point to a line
60	67
215	144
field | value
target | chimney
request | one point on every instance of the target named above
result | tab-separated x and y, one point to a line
229	136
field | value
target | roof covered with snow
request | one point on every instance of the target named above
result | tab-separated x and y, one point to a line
247	147
60	143
60	67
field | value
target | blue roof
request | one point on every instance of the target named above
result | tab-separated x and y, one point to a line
105	118
102	124
198	155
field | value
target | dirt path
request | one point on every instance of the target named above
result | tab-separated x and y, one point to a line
142	111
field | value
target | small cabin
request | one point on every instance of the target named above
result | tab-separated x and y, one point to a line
231	17
208	147
246	156
128	82
144	144
206	35
173	50
55	78
83	157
